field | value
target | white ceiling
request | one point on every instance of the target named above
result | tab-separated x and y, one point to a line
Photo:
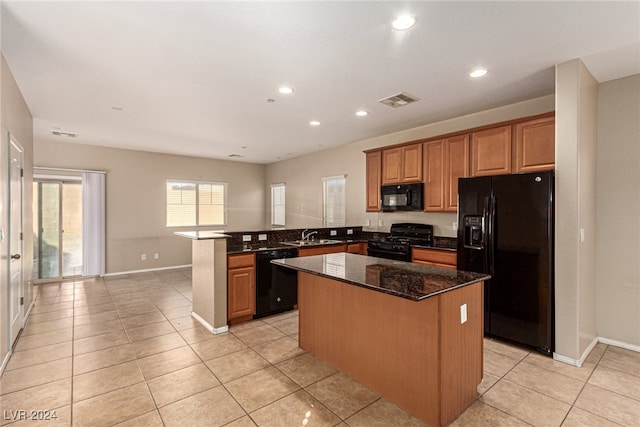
193	78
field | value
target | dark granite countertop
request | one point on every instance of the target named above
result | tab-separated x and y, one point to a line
267	246
404	279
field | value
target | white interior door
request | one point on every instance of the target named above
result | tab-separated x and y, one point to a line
15	238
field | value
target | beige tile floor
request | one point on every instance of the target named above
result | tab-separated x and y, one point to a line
124	351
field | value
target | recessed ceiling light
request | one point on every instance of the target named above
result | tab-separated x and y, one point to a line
478	72
361	113
285	90
314	123
403	22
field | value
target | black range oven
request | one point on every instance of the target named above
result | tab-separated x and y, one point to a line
398	244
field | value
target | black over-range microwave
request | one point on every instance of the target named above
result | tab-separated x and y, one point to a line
401	197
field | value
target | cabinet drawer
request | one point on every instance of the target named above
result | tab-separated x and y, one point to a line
434	257
323	250
241	260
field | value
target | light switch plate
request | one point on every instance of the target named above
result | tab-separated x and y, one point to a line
463	313
349	231
262	237
246	237
333	233
582	234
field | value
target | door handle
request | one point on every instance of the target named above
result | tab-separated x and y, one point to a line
16	256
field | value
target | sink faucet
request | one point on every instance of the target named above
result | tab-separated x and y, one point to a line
306	234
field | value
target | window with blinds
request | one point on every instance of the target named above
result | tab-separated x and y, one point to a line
277	205
334	206
196	203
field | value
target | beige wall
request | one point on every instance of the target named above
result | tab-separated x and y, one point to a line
618	207
576	114
135	193
15	118
304	184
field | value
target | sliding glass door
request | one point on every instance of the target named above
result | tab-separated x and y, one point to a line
57	219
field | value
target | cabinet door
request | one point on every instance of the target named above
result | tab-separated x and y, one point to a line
491	152
374	180
435	257
434	164
535	145
457	166
391	160
411	163
242	292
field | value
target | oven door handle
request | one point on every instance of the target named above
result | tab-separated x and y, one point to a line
380	253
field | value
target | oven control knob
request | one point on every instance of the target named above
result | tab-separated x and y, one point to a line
278	299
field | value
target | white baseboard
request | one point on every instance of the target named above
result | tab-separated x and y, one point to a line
120	273
620	344
5	361
579	362
208	326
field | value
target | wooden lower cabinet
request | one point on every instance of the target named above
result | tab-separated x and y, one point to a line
322	250
241	287
435	257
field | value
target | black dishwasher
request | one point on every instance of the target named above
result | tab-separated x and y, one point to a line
276	287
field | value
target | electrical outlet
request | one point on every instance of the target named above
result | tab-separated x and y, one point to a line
143	257
367	223
463	313
380	223
246	237
349	231
455	226
156	256
333	233
262	237
582	234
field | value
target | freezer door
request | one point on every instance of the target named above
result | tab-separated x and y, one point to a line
521	296
473	194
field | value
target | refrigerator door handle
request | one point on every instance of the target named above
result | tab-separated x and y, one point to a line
491	212
485	217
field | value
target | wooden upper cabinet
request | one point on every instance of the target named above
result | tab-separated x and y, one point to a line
402	164
434	167
491	151
535	145
445	161
374	180
457	166
411	167
391	163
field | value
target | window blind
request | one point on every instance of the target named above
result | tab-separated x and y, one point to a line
334	201
278	204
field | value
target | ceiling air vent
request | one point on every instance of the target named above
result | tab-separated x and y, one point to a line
399	100
62	133
235	156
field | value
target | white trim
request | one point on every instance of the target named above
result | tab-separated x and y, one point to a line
208	326
607	341
5	361
620	344
67	169
567	360
174	267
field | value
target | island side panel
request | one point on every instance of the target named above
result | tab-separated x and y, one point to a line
386	343
209	266
462	349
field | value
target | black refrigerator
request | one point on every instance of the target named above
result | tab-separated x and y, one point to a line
505	229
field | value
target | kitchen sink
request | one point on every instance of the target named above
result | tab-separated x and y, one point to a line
311	242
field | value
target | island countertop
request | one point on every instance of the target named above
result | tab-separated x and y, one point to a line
404	279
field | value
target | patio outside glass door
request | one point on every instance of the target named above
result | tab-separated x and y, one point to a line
57	229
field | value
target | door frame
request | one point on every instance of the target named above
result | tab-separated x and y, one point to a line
13	335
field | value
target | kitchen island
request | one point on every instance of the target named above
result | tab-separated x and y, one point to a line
411	333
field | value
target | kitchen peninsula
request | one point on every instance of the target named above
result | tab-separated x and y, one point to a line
412	333
209	278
